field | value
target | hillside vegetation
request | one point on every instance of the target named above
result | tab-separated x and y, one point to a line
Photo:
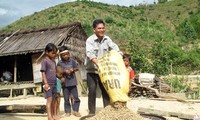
161	38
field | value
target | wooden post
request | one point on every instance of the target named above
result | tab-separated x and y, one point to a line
171	85
24	92
160	87
15	70
11	91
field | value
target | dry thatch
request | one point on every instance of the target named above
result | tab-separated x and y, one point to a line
34	41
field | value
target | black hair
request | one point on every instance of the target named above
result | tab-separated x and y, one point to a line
63	48
59	69
127	56
50	47
96	22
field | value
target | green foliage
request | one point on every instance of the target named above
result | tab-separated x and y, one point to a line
178	13
161	60
162	1
138	58
186	29
178	84
87	28
109	20
158	56
154	35
191	13
179	4
192	59
121	24
195	21
181	84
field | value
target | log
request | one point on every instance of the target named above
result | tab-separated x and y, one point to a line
19	108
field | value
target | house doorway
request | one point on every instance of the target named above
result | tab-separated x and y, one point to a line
23	65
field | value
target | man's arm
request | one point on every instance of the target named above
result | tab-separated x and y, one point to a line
90	53
95	61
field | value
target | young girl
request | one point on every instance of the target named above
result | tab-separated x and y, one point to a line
59	81
48	70
127	59
70	87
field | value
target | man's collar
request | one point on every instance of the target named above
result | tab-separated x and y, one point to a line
96	38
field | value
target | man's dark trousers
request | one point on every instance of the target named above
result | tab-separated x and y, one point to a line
92	81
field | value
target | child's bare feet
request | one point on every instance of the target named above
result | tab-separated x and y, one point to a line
56	117
50	118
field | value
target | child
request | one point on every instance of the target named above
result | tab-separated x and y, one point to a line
48	70
70	87
59	82
127	59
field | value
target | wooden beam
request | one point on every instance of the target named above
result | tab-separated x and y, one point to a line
7	38
165	113
19	108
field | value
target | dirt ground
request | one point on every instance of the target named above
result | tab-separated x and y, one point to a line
134	104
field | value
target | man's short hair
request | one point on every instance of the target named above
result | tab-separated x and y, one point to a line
96	22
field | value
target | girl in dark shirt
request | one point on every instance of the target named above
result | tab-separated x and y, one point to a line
48	70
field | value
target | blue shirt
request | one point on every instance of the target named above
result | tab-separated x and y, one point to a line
58	85
70	79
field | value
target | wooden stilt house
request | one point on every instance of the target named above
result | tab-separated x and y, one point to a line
21	51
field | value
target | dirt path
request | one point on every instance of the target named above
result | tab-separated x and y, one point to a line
171	106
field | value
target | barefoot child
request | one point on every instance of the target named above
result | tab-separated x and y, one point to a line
70	87
59	81
48	70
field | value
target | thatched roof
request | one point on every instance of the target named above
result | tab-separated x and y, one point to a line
34	41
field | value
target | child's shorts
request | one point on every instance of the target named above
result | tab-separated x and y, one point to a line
51	92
